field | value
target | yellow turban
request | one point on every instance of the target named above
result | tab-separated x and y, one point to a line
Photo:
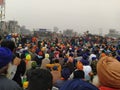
28	57
46	55
25	84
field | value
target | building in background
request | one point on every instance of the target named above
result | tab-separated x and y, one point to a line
113	33
3	25
25	31
13	27
2	15
70	33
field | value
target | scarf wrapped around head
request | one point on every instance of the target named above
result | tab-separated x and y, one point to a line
108	70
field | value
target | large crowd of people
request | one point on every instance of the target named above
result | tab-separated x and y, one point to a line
87	62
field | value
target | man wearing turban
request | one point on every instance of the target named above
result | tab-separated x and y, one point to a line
108	70
5	59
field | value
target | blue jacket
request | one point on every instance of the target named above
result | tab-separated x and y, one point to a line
78	84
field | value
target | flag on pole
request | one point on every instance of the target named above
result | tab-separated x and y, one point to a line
1	2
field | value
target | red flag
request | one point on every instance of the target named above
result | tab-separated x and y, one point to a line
1	2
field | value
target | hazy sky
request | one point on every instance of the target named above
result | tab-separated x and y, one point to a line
80	15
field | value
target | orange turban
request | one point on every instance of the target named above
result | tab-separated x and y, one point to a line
103	55
108	69
79	65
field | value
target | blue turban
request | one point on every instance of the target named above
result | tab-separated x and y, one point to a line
118	52
84	62
25	51
65	73
118	58
94	58
71	55
78	84
55	68
65	59
5	56
8	37
85	56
